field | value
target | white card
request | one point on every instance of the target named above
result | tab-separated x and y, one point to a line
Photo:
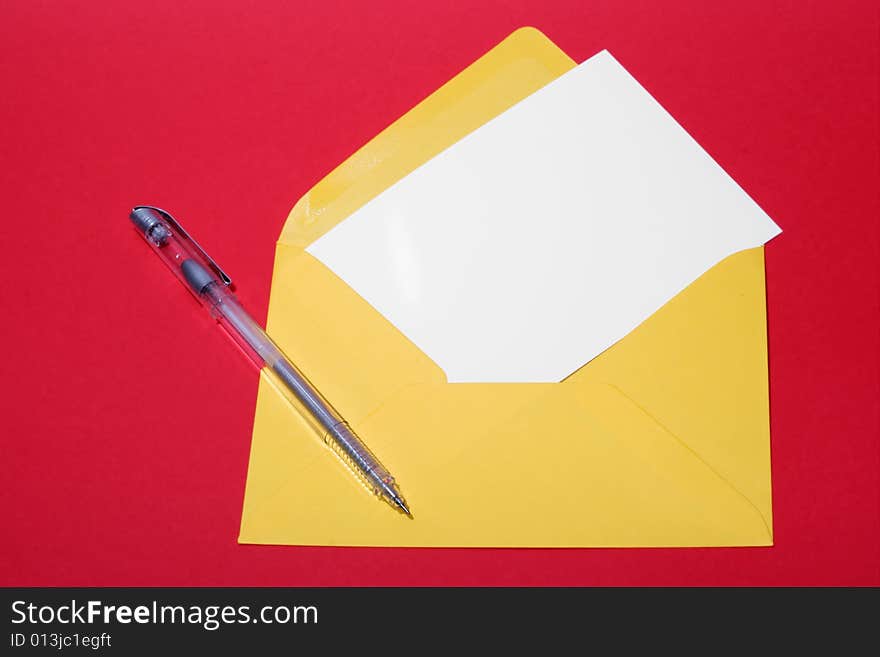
527	248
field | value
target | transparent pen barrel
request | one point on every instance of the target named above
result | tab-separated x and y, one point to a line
296	388
201	275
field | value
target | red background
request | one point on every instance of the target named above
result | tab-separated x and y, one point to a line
126	415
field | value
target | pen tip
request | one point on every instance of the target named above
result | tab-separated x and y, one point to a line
400	503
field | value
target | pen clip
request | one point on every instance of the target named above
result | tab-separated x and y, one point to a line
180	229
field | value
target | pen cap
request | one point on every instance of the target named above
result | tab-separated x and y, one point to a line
207	282
174	246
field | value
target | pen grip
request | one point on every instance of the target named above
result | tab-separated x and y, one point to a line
344	442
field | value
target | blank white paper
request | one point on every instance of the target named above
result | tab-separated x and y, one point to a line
527	248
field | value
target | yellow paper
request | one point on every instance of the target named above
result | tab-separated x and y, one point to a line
663	440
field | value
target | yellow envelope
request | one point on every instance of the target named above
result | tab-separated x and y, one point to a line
663	440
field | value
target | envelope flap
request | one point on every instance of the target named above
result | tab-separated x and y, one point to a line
518	66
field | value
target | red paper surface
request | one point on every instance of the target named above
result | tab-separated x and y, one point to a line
126	414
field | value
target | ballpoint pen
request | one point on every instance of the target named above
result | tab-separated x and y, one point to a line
201	275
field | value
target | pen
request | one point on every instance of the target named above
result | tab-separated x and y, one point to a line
195	268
